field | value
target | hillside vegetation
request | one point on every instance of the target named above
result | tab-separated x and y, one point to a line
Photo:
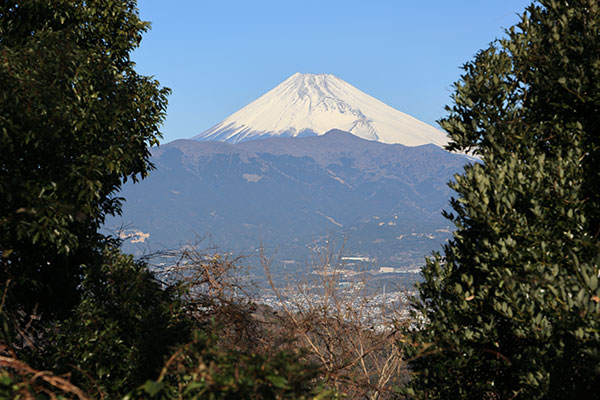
510	309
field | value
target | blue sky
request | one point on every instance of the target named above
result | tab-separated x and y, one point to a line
217	56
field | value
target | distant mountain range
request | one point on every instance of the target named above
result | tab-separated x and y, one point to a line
293	195
332	164
312	104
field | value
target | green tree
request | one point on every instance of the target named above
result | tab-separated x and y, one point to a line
121	331
76	121
202	369
512	308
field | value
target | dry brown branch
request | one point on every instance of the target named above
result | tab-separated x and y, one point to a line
216	294
33	376
355	349
358	353
4	294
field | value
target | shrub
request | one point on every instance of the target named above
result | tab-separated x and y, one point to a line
512	308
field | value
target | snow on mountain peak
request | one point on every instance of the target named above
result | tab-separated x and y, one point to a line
312	104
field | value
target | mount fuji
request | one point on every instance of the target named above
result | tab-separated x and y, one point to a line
364	174
311	104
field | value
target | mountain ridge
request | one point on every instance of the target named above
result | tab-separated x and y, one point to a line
291	197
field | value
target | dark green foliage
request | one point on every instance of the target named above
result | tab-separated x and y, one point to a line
513	308
202	370
121	331
8	387
75	123
20	381
12	387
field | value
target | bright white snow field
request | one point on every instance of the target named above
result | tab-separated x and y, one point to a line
317	103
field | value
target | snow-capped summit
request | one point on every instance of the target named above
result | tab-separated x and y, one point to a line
311	104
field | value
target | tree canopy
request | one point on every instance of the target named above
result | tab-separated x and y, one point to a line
513	305
76	121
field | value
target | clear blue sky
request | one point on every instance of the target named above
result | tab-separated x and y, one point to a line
219	55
